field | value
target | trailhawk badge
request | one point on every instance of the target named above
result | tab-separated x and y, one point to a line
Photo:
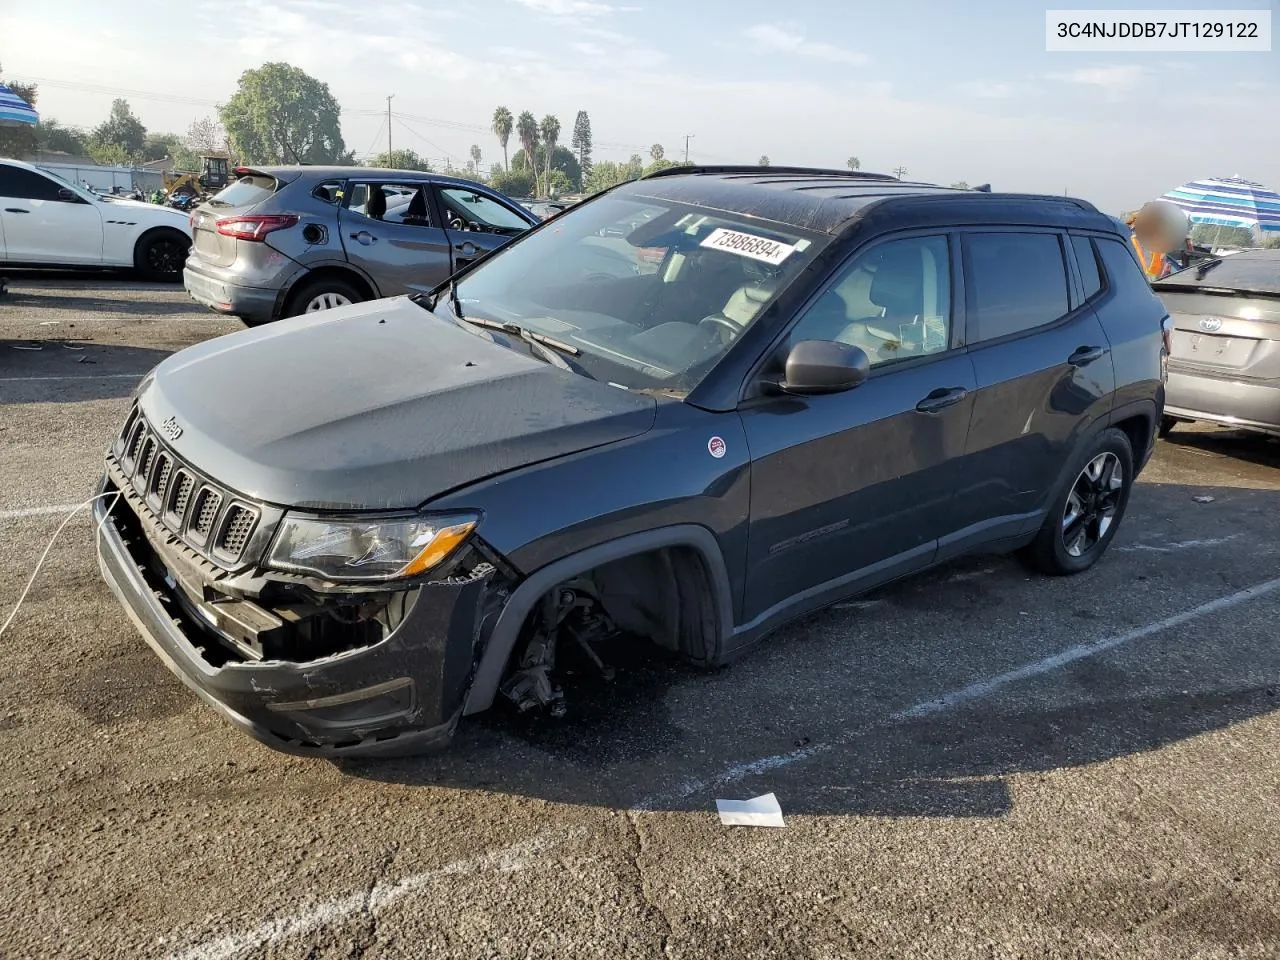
716	447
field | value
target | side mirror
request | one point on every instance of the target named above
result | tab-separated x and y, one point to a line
69	195
824	366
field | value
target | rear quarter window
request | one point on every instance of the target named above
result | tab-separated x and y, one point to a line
246	192
1087	261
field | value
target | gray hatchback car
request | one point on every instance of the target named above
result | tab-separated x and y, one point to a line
1224	361
282	241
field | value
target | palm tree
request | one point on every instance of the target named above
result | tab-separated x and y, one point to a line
527	134
502	130
475	158
550	134
854	163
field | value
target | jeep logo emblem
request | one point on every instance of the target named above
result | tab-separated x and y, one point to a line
1210	324
171	428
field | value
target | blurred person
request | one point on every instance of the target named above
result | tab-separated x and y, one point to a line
1158	228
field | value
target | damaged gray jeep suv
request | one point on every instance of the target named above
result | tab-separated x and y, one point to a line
685	411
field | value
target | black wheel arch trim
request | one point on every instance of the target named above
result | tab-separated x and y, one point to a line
506	630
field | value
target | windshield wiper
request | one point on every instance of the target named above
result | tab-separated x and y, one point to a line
528	336
1205	267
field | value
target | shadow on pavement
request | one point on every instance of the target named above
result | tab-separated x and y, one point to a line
68	371
662	723
1238	444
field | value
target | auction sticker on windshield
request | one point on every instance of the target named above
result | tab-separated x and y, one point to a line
748	245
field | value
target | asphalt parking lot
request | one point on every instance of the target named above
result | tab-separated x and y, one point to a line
978	762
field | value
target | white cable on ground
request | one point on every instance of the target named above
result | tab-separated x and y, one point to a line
44	556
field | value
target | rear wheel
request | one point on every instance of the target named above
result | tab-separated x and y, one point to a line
1084	517
322	293
160	255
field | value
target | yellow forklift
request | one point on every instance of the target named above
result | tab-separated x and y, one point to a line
215	175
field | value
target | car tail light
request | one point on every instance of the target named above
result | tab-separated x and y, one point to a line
255	227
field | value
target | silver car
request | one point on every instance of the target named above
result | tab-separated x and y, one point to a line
282	241
1224	363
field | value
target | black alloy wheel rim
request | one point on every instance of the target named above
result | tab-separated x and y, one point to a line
1092	504
165	257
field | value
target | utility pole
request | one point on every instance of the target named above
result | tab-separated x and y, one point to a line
389	129
687	138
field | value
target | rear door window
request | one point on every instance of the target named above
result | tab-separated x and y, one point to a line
404	203
1015	282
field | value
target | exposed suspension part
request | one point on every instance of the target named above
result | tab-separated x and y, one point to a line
566	609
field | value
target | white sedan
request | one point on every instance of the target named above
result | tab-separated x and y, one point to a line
46	221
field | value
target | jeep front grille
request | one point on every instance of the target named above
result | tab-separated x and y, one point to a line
209	518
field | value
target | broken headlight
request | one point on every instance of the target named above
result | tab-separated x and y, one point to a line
367	549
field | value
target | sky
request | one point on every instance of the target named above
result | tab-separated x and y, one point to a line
949	91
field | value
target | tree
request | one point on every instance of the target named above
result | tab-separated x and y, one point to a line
23	141
55	138
960	185
606	173
475	160
280	114
121	137
656	152
854	163
562	160
550	131
899	172
514	183
581	142
206	136
401	160
502	130
527	134
764	160
171	145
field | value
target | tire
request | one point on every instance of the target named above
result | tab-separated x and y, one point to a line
1166	427
1098	483
322	293
159	255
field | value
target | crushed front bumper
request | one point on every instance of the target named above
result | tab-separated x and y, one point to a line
400	696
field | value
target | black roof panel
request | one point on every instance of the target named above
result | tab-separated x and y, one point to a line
824	201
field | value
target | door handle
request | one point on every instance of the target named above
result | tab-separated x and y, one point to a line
1085	355
942	398
364	237
15	210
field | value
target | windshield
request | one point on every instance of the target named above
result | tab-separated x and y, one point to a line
1252	271
652	292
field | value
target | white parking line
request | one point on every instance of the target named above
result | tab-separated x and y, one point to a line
517	856
44	511
974	691
1177	545
91	376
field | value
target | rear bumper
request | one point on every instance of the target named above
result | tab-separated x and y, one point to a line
1252	404
225	292
398	697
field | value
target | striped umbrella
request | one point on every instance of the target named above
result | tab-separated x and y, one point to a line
1229	202
14	111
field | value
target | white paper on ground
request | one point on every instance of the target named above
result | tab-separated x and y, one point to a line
756	812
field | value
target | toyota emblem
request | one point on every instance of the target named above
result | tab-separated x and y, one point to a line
1210	324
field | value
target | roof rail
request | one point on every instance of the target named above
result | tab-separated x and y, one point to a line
788	171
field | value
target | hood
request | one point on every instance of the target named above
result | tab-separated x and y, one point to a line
163	214
375	406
